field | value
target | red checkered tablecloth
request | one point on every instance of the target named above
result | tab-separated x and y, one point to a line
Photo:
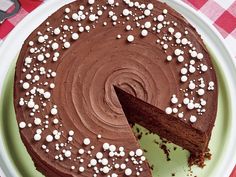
221	13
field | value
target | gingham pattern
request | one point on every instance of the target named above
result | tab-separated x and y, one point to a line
221	13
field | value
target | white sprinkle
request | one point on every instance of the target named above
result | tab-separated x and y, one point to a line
201	92
169	58
104	161
105	169
99	13
67	10
128	27
193	119
118	36
26	85
41	39
186	101
81	29
178	35
211	84
57	31
71	132
147	25
128	172
81	151
111	2
28	60
174	100
150	6
193	54
180	58
31	43
139	152
122	166
99	155
54	111
67	45
81	169
49	138
92	17
184	41
165	11
86	141
184	71
126	12
112	148
106	146
37	121
192	69
47	95
37	137
93	162
22	124
177	52
168	110
114	175
184	78
131	153
55	121
130	38
75	36
160	18
203	102
191	85
40	57
200	56
75	16
52	85
31	104
204	68
55	46
21	103
181	115
175	110
165	46
190	105
147	12
159	26
144	32
53	74
171	30
67	153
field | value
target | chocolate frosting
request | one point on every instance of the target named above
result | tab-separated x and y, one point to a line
86	73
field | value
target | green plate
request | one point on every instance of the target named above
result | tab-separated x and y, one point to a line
177	166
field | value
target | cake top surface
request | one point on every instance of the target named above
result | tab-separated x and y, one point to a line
64	98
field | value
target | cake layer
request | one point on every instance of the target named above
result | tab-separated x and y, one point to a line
166	126
70	118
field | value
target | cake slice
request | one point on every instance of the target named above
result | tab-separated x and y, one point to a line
166	126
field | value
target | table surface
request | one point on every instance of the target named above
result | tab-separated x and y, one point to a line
220	13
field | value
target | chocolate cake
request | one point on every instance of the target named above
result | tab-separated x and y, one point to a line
95	66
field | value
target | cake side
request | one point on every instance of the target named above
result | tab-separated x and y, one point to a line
166	126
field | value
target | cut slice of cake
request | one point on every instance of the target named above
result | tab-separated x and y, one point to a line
165	125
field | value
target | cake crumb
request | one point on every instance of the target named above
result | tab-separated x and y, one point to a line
199	159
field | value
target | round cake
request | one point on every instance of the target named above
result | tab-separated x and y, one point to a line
94	67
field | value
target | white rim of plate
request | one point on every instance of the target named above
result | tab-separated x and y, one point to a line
228	66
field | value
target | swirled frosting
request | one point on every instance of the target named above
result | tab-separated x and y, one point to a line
70	118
